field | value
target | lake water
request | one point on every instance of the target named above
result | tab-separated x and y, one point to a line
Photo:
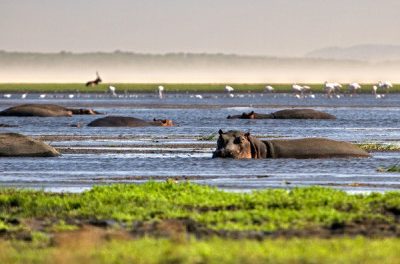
94	156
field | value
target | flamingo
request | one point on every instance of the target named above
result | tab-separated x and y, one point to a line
229	89
23	96
353	87
71	96
7	95
386	85
332	88
198	96
160	91
299	90
42	96
269	88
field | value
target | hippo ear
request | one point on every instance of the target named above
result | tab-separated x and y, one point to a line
154	119
258	148
220	132
251	113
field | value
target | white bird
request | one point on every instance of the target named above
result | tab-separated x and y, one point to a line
299	90
353	87
374	89
42	96
231	95
112	90
386	85
7	95
23	96
160	91
331	88
70	96
269	88
229	89
198	96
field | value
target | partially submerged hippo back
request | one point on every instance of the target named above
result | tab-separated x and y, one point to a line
124	121
286	114
301	114
44	110
239	145
17	145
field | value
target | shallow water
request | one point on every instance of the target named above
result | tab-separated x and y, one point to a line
128	155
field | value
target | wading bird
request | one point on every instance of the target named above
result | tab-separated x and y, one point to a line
385	86
353	88
269	88
332	89
161	91
112	90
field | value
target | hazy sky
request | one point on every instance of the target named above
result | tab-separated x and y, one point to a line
267	27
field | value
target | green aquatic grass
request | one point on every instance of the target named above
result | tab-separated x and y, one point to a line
394	168
268	210
148	250
379	147
169	87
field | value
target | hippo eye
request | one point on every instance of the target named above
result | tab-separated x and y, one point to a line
238	140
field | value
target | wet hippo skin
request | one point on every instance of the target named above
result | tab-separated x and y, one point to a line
124	121
286	114
45	110
17	145
240	145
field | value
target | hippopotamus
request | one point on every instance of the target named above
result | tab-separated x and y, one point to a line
240	145
286	114
124	121
17	145
45	110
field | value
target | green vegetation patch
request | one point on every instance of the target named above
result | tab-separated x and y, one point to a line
210	209
148	250
379	147
394	168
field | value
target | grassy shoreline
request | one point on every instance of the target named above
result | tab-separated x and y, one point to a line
186	223
169	87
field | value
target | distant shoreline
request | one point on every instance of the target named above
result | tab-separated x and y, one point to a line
169	87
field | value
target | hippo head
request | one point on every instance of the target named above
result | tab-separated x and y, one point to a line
250	115
239	145
164	122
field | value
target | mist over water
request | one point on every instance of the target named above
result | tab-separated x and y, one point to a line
188	68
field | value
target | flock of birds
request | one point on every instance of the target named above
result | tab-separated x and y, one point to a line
331	89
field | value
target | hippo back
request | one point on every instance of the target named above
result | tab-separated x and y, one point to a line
17	145
119	121
41	110
312	148
301	114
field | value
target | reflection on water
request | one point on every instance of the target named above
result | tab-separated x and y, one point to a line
138	154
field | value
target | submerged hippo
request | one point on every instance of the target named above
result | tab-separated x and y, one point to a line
124	121
286	114
17	145
45	110
239	145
